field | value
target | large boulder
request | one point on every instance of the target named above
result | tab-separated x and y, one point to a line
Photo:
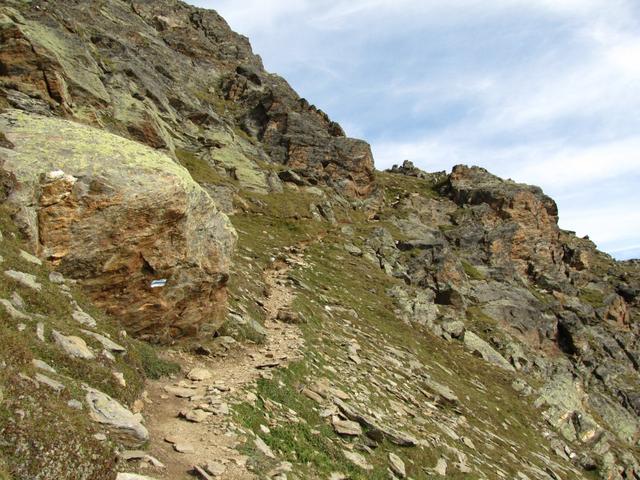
117	215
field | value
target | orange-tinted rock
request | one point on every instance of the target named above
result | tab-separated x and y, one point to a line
119	216
524	220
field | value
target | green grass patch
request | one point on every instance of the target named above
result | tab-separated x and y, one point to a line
153	365
592	297
395	185
311	443
472	272
201	170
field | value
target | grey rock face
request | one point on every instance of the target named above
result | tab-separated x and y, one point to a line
170	89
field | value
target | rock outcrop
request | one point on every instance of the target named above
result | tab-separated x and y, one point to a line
177	78
519	223
118	215
547	303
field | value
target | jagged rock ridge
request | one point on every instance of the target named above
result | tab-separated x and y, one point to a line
174	77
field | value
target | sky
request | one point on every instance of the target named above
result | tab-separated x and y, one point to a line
545	92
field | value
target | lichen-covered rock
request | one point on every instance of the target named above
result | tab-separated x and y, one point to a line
164	76
117	215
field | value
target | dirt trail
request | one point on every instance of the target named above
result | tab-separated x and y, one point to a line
232	379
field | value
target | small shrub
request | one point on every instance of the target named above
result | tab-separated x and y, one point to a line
153	366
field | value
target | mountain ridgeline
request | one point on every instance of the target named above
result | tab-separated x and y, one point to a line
204	277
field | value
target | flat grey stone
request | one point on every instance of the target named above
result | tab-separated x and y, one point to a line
105	410
141	455
263	448
397	465
357	459
477	345
346	427
73	346
39	364
24	279
199	374
441	467
106	342
12	311
444	393
196	415
49	382
119	376
40	331
214	468
201	473
83	318
56	277
183	447
353	250
17	301
455	328
180	392
30	258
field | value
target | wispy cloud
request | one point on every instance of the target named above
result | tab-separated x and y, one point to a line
542	91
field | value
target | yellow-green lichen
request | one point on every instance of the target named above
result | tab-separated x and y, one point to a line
43	144
230	154
78	66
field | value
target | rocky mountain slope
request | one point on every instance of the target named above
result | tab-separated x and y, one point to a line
202	276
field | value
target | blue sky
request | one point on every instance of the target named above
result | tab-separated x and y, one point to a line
545	92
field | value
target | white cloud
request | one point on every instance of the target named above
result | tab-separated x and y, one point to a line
606	227
577	167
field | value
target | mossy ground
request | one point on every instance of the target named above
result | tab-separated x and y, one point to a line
472	272
201	171
591	297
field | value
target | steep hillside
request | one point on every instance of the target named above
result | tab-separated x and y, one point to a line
313	318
